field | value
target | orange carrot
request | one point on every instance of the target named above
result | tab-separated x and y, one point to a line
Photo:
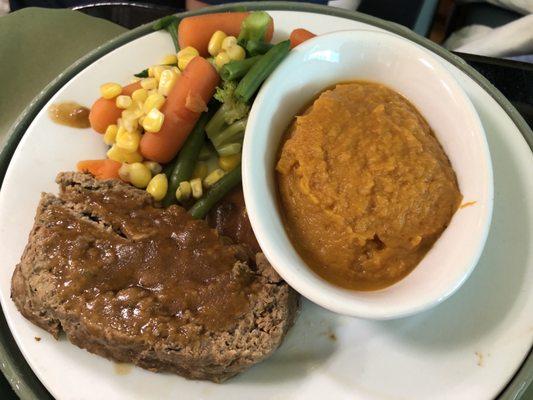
100	169
185	102
298	36
104	112
196	31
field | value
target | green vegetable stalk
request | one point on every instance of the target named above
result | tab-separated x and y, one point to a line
170	24
254	27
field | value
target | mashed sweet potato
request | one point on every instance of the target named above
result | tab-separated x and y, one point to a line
364	185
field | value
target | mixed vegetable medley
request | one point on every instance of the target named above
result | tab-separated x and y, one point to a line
177	130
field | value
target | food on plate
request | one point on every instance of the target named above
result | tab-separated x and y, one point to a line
177	130
146	285
70	113
298	36
365	187
197	31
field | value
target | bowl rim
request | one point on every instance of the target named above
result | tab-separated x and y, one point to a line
311	288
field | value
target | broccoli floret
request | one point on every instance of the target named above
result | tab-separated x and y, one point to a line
232	109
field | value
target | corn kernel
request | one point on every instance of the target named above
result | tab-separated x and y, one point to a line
124	172
139	95
176	70
236	53
196	188
200	170
135	111
153	121
215	43
151	72
153	166
130	124
123	101
227	163
110	90
166	82
110	134
228	42
117	154
169	59
158	187
158	70
222	59
183	192
127	141
148	83
185	56
213	178
154	100
139	175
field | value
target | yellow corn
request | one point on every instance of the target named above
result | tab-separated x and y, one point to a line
123	101
154	100
169	59
153	166
176	70
185	56
158	187
117	154
166	82
227	163
236	53
228	42
139	95
196	188
213	178
151	72
148	83
158	70
215	43
183	192
200	170
134	111
130	124
110	134
124	172
140	175
153	121
222	59
127	141
110	90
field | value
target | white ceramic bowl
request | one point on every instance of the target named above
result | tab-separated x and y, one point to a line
417	75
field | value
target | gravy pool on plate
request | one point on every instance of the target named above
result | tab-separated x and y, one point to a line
365	187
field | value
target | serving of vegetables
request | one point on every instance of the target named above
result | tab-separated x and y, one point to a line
177	130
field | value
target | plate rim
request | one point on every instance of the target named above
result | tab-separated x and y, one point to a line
14	366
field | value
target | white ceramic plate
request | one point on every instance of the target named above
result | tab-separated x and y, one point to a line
466	348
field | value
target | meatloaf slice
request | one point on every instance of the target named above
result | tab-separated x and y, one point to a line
136	283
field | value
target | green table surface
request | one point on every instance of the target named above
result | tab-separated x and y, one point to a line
36	45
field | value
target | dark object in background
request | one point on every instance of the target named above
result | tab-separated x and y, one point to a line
414	14
513	78
129	14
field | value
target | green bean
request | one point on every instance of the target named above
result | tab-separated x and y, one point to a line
257	47
186	159
229	149
237	69
216	193
170	24
261	70
230	134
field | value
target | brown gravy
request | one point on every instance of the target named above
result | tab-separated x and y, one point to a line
70	114
149	272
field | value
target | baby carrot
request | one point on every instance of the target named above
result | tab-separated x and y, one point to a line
105	112
185	102
299	36
196	31
100	169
